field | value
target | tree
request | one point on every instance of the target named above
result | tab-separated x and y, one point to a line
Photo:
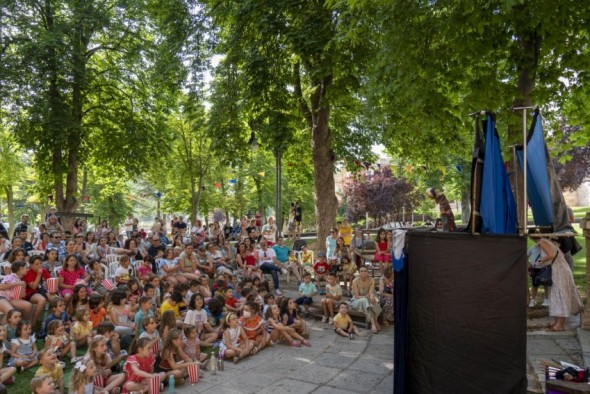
440	60
573	165
261	39
12	168
89	86
380	194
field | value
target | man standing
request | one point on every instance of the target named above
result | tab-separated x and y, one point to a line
180	226
129	225
298	218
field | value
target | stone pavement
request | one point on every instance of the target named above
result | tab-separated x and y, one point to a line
332	365
543	345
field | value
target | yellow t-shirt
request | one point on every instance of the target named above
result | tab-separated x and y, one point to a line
167	306
342	321
80	329
56	373
346	233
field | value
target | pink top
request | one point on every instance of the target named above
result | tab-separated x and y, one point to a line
70	277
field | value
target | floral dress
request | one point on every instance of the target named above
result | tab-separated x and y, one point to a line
70	278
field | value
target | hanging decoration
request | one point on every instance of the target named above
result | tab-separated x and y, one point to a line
410	168
217	185
459	167
261	173
233	181
366	164
86	198
442	169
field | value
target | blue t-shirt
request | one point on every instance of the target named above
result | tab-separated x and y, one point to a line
282	253
307	289
139	316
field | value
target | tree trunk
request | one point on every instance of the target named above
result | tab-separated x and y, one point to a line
10	206
465	205
326	203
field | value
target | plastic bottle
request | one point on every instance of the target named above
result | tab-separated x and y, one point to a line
213	364
171	383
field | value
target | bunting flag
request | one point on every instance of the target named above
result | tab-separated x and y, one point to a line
261	173
217	185
459	167
442	169
409	168
366	164
357	163
233	181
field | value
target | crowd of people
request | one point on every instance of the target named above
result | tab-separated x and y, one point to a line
145	305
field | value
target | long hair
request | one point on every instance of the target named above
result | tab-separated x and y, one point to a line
169	350
79	378
168	320
99	360
73	304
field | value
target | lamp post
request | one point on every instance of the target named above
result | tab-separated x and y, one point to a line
279	213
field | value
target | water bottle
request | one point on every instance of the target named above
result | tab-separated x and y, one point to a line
213	364
171	384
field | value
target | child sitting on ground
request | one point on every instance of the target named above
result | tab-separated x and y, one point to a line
96	309
139	367
13	317
192	347
253	325
23	349
306	291
343	325
82	329
6	374
82	381
236	344
98	354
278	330
174	360
57	306
52	367
58	340
43	385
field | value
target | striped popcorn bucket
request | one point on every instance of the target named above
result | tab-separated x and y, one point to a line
107	284
52	285
193	372
99	380
154	385
16	292
156	347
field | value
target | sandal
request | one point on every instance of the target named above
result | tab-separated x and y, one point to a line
236	359
307	343
553	329
295	343
254	351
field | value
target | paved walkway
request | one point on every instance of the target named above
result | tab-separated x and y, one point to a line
332	365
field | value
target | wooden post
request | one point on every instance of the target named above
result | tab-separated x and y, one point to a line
585	226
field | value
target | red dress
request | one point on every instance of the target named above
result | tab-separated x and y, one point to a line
144	364
382	258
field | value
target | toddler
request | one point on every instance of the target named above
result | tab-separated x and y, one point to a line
58	340
343	323
81	332
23	349
42	385
52	367
191	344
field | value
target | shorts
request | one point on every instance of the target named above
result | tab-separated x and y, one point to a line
304	301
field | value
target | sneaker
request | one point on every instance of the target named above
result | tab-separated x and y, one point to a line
532	304
351	336
325	319
545	302
331	321
278	292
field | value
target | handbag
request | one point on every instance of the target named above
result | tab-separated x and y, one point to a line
543	277
576	247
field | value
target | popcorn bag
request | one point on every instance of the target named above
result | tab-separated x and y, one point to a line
154	385
156	347
52	284
99	380
193	372
16	292
107	284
